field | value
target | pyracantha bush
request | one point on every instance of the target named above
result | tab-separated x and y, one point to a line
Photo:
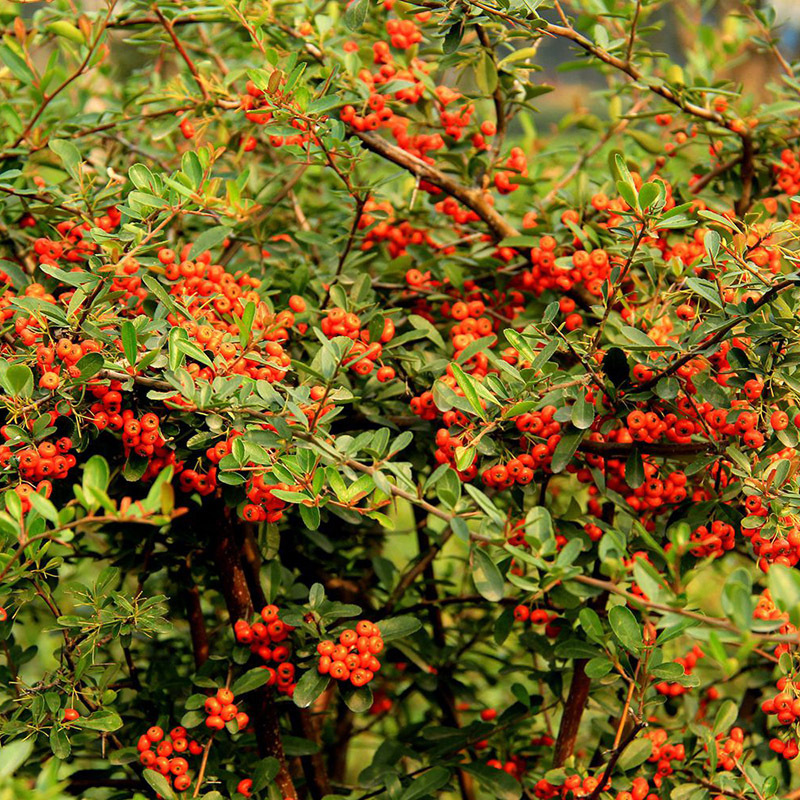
367	432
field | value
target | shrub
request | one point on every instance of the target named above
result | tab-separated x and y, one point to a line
360	440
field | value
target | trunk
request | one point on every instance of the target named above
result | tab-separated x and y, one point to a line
235	590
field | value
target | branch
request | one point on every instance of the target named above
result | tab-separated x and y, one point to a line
621	449
720	169
612	762
578	165
765	298
181	50
474	199
573	711
48	98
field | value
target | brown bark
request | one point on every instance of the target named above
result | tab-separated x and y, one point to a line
573	711
303	724
197	626
235	590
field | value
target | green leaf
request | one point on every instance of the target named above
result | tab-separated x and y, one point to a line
190	165
565	449
448	488
784	586
635	754
486	576
582	415
135	467
647	141
147	200
159	783
626	628
128	336
160	292
43	507
427	784
264	773
622	171
19	69
598	667
711	242
251	679
59	742
634	469
141	177
13	755
726	716
208	239
358	700
398	627
96	474
467	385
356	14
69	154
19	380
67	30
590	622
310	686
452	39
102	720
639	338
311	516
90	365
246	328
422	324
486	75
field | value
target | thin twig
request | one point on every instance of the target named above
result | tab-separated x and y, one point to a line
167	25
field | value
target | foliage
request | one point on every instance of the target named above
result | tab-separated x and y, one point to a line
360	440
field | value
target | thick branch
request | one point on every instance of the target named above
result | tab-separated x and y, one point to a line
228	563
474	199
573	711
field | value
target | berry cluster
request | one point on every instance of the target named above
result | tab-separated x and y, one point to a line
363	353
64	356
767	610
141	436
167	757
268	639
354	657
786	707
713	540
514	766
576	787
729	749
213	296
41	463
221	709
663	753
787	172
536	616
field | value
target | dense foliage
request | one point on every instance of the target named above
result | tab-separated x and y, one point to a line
368	433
